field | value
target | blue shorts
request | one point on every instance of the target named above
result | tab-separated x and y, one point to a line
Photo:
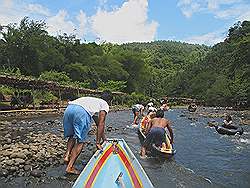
155	136
76	122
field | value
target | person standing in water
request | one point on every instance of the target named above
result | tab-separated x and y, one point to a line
156	132
77	123
228	121
164	104
137	110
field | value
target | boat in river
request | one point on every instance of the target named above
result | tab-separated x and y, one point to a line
112	167
167	152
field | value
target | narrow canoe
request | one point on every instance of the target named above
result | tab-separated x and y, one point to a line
113	167
157	151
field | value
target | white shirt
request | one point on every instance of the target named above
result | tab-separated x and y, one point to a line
151	108
150	104
138	106
91	104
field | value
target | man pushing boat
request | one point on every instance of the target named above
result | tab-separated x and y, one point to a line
156	133
77	123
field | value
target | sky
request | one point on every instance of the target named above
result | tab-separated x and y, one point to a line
122	21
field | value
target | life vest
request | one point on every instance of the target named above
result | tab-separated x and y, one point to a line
144	122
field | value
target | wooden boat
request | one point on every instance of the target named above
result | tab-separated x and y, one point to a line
158	151
113	167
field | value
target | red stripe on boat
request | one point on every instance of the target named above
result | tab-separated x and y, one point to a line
130	169
97	167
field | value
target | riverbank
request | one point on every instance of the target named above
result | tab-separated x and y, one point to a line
27	113
31	150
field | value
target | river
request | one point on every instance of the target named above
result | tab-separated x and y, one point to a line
204	158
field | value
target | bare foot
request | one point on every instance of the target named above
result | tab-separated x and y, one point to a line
66	159
163	147
72	170
143	156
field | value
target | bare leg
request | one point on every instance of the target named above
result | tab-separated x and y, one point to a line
136	114
70	145
74	154
143	152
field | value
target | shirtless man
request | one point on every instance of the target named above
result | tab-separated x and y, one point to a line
156	132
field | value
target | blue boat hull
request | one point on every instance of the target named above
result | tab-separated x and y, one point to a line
113	167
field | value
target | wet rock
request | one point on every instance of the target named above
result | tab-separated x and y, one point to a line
4	172
27	167
36	173
109	129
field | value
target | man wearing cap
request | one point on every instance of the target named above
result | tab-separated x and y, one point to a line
77	123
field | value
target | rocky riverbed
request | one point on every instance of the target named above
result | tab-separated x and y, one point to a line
32	147
29	148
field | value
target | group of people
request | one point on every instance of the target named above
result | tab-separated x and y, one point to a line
79	113
77	123
153	125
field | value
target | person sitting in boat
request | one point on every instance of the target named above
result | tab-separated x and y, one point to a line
228	121
137	110
156	132
164	104
145	120
77	123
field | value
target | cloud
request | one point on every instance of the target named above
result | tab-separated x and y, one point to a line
238	10
37	9
128	23
10	12
83	20
207	39
59	24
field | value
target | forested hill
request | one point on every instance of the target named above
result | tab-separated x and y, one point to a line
171	51
222	77
217	75
145	68
162	60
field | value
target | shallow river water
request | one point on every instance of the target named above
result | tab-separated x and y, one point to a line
204	158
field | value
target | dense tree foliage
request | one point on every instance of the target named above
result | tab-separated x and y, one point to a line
222	77
218	74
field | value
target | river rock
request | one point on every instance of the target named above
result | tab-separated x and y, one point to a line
19	154
36	173
10	162
19	161
14	121
4	172
27	167
13	169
